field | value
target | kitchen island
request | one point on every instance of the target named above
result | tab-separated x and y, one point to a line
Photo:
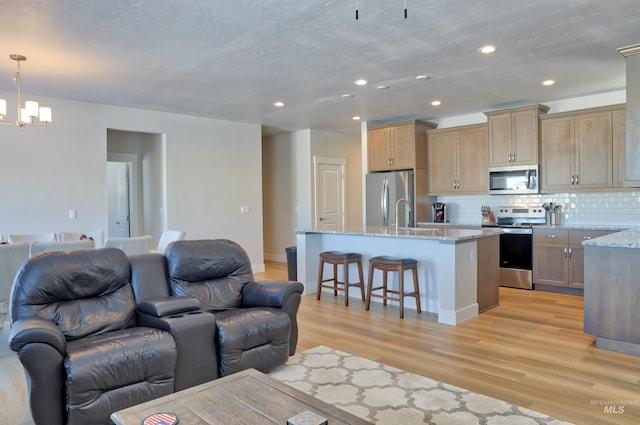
612	291
449	263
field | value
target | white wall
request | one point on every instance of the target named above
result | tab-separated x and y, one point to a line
288	183
213	167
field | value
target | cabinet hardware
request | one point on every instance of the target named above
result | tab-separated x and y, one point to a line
577	178
551	236
573	179
570	253
565	252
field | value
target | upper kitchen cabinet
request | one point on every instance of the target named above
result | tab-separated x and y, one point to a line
397	146
457	161
577	150
514	136
632	148
619	123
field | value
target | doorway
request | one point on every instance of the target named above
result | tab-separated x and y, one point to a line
136	183
329	185
118	199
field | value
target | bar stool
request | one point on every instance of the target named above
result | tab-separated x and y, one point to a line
389	264
337	258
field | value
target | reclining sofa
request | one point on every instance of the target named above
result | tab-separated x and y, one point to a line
97	331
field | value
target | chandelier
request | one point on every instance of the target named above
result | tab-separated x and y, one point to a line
30	110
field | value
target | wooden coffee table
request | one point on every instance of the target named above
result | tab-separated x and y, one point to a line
247	397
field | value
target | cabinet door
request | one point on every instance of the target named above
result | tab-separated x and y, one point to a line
576	254
593	151
619	123
403	147
500	144
379	147
550	264
473	163
525	137
576	266
442	156
557	154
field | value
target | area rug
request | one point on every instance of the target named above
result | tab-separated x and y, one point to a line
385	395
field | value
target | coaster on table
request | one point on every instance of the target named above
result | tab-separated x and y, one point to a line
307	418
164	418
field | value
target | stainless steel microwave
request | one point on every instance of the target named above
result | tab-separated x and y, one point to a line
513	180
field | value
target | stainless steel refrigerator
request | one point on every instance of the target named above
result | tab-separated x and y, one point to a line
384	192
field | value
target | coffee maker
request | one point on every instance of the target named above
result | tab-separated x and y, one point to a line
439	212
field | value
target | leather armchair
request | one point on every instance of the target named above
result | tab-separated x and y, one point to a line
76	332
256	321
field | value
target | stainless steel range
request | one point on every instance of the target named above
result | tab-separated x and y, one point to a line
516	243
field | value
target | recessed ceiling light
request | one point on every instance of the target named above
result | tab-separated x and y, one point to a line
278	104
356	118
422	77
548	82
382	87
360	82
487	49
347	95
436	103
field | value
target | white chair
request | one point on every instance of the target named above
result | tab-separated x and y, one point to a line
11	258
167	237
32	237
130	246
97	235
37	247
2	239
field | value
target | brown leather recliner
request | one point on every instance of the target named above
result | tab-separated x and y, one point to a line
75	329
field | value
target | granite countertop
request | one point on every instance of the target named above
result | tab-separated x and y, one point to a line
606	227
440	233
625	239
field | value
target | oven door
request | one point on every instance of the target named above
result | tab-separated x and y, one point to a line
516	258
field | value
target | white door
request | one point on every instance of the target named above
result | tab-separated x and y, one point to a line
118	199
329	193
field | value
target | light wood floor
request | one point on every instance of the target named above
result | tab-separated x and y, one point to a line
530	351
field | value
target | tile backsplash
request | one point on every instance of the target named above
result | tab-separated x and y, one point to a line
611	208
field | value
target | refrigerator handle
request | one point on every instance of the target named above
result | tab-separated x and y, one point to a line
384	202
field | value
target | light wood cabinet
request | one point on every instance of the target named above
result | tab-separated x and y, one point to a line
397	146
514	136
619	147
558	256
577	151
457	160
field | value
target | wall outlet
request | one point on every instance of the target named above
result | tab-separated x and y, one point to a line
244	210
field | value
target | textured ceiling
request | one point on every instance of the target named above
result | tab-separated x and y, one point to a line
232	59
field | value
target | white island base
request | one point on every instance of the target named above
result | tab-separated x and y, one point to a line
447	268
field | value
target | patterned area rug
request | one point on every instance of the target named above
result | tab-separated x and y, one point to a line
385	395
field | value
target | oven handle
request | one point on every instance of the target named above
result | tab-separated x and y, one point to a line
516	231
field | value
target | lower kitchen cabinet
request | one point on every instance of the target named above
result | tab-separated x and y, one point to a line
558	256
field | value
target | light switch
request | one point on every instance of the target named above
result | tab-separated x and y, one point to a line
73	214
244	210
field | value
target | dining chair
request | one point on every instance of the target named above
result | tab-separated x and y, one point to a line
131	246
39	247
167	237
32	237
97	235
11	258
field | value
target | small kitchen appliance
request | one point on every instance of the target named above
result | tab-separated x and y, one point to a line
439	212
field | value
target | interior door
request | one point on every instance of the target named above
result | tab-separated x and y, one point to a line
118	199
329	190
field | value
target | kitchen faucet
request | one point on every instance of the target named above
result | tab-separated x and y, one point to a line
398	217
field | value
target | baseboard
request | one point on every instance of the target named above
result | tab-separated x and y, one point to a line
275	257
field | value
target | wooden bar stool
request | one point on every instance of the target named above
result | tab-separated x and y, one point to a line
337	258
389	264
